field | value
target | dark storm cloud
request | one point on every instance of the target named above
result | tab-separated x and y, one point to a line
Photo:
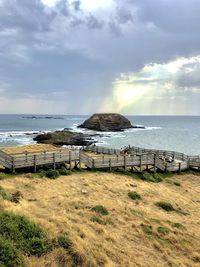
67	52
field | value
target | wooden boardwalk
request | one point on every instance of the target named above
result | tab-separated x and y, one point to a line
102	158
136	158
38	159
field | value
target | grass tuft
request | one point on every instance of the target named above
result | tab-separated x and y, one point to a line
177	184
165	206
4	194
64	241
155	177
100	209
147	229
163	230
64	171
52	174
98	220
134	195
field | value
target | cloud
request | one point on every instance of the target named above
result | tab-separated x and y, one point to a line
70	51
158	87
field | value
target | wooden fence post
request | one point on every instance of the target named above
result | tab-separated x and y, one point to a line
54	161
93	164
199	164
179	167
140	163
110	165
117	158
80	153
188	162
70	159
35	163
155	162
13	165
125	167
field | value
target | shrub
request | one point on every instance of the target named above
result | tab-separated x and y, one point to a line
147	176
178	225
177	184
63	241
4	194
52	174
147	229
163	230
155	177
25	235
41	173
100	209
64	171
10	256
134	195
98	220
165	206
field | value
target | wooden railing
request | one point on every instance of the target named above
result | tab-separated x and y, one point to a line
102	157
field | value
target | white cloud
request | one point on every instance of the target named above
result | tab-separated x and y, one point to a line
50	3
155	83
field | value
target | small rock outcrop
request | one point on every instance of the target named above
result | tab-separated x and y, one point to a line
62	138
107	122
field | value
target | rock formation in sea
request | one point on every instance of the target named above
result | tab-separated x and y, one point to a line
107	122
63	138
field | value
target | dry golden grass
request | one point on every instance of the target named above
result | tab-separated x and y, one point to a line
30	148
60	206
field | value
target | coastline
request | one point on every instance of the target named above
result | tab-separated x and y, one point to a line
163	132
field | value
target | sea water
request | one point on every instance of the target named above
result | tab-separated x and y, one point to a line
178	133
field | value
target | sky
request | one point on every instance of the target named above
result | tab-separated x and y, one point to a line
135	57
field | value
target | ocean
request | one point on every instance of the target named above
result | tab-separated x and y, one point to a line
179	133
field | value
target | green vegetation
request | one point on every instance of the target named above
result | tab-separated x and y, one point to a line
4	194
145	176
151	177
134	195
98	220
3	176
41	173
163	230
177	184
100	209
64	171
52	174
147	229
176	225
135	175
167	174
165	206
64	241
26	236
10	256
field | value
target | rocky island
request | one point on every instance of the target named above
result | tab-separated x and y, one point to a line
107	122
64	138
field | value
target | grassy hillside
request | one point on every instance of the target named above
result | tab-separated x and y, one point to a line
110	219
